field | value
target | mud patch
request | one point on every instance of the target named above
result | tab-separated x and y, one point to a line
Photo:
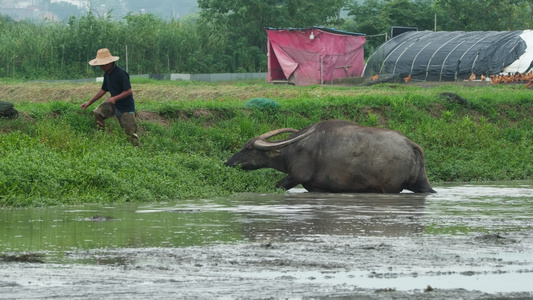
27	258
321	267
465	242
494	239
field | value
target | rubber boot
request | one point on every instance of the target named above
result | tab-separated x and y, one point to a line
128	123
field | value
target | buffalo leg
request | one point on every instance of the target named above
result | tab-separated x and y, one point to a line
287	183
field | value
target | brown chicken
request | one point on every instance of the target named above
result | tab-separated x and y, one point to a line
527	76
507	78
375	77
496	79
406	79
472	77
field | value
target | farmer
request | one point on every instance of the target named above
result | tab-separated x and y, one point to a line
121	103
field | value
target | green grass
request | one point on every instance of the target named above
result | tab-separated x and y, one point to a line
52	154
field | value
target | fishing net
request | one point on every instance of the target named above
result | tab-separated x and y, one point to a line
262	103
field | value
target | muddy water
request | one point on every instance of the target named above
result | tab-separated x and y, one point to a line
467	241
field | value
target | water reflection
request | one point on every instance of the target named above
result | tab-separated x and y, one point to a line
305	214
263	218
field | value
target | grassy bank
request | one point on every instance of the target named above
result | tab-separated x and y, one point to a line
53	155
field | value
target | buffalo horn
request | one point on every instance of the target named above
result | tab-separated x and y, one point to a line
266	136
262	144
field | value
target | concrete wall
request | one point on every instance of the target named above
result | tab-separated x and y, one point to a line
200	77
218	76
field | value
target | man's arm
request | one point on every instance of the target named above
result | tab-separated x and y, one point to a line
97	96
120	96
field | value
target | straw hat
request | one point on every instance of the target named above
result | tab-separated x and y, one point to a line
103	57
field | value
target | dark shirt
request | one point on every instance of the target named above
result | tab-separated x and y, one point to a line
116	82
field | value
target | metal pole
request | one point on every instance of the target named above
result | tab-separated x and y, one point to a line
127	59
321	70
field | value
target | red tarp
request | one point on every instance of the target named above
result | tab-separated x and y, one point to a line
314	55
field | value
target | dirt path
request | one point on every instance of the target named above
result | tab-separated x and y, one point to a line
79	92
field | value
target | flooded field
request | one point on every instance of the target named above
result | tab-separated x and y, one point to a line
467	241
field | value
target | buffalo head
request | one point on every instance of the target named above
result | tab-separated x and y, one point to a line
260	153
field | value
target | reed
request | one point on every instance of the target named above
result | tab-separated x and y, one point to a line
55	50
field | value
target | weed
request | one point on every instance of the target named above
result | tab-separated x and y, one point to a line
52	154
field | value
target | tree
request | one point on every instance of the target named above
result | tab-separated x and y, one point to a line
376	17
368	18
241	24
409	13
485	14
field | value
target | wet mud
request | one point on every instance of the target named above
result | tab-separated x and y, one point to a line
467	242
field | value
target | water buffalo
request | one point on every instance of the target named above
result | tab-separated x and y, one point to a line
339	156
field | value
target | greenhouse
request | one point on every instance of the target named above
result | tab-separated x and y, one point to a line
451	56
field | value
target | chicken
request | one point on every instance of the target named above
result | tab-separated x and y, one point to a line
496	79
528	85
406	79
507	78
483	77
375	77
527	76
472	77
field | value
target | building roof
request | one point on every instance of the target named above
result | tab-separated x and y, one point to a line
330	30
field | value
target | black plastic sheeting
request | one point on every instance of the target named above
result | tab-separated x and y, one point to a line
446	55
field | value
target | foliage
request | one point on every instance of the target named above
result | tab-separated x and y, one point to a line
52	154
238	27
377	16
225	36
485	14
145	44
248	19
374	17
